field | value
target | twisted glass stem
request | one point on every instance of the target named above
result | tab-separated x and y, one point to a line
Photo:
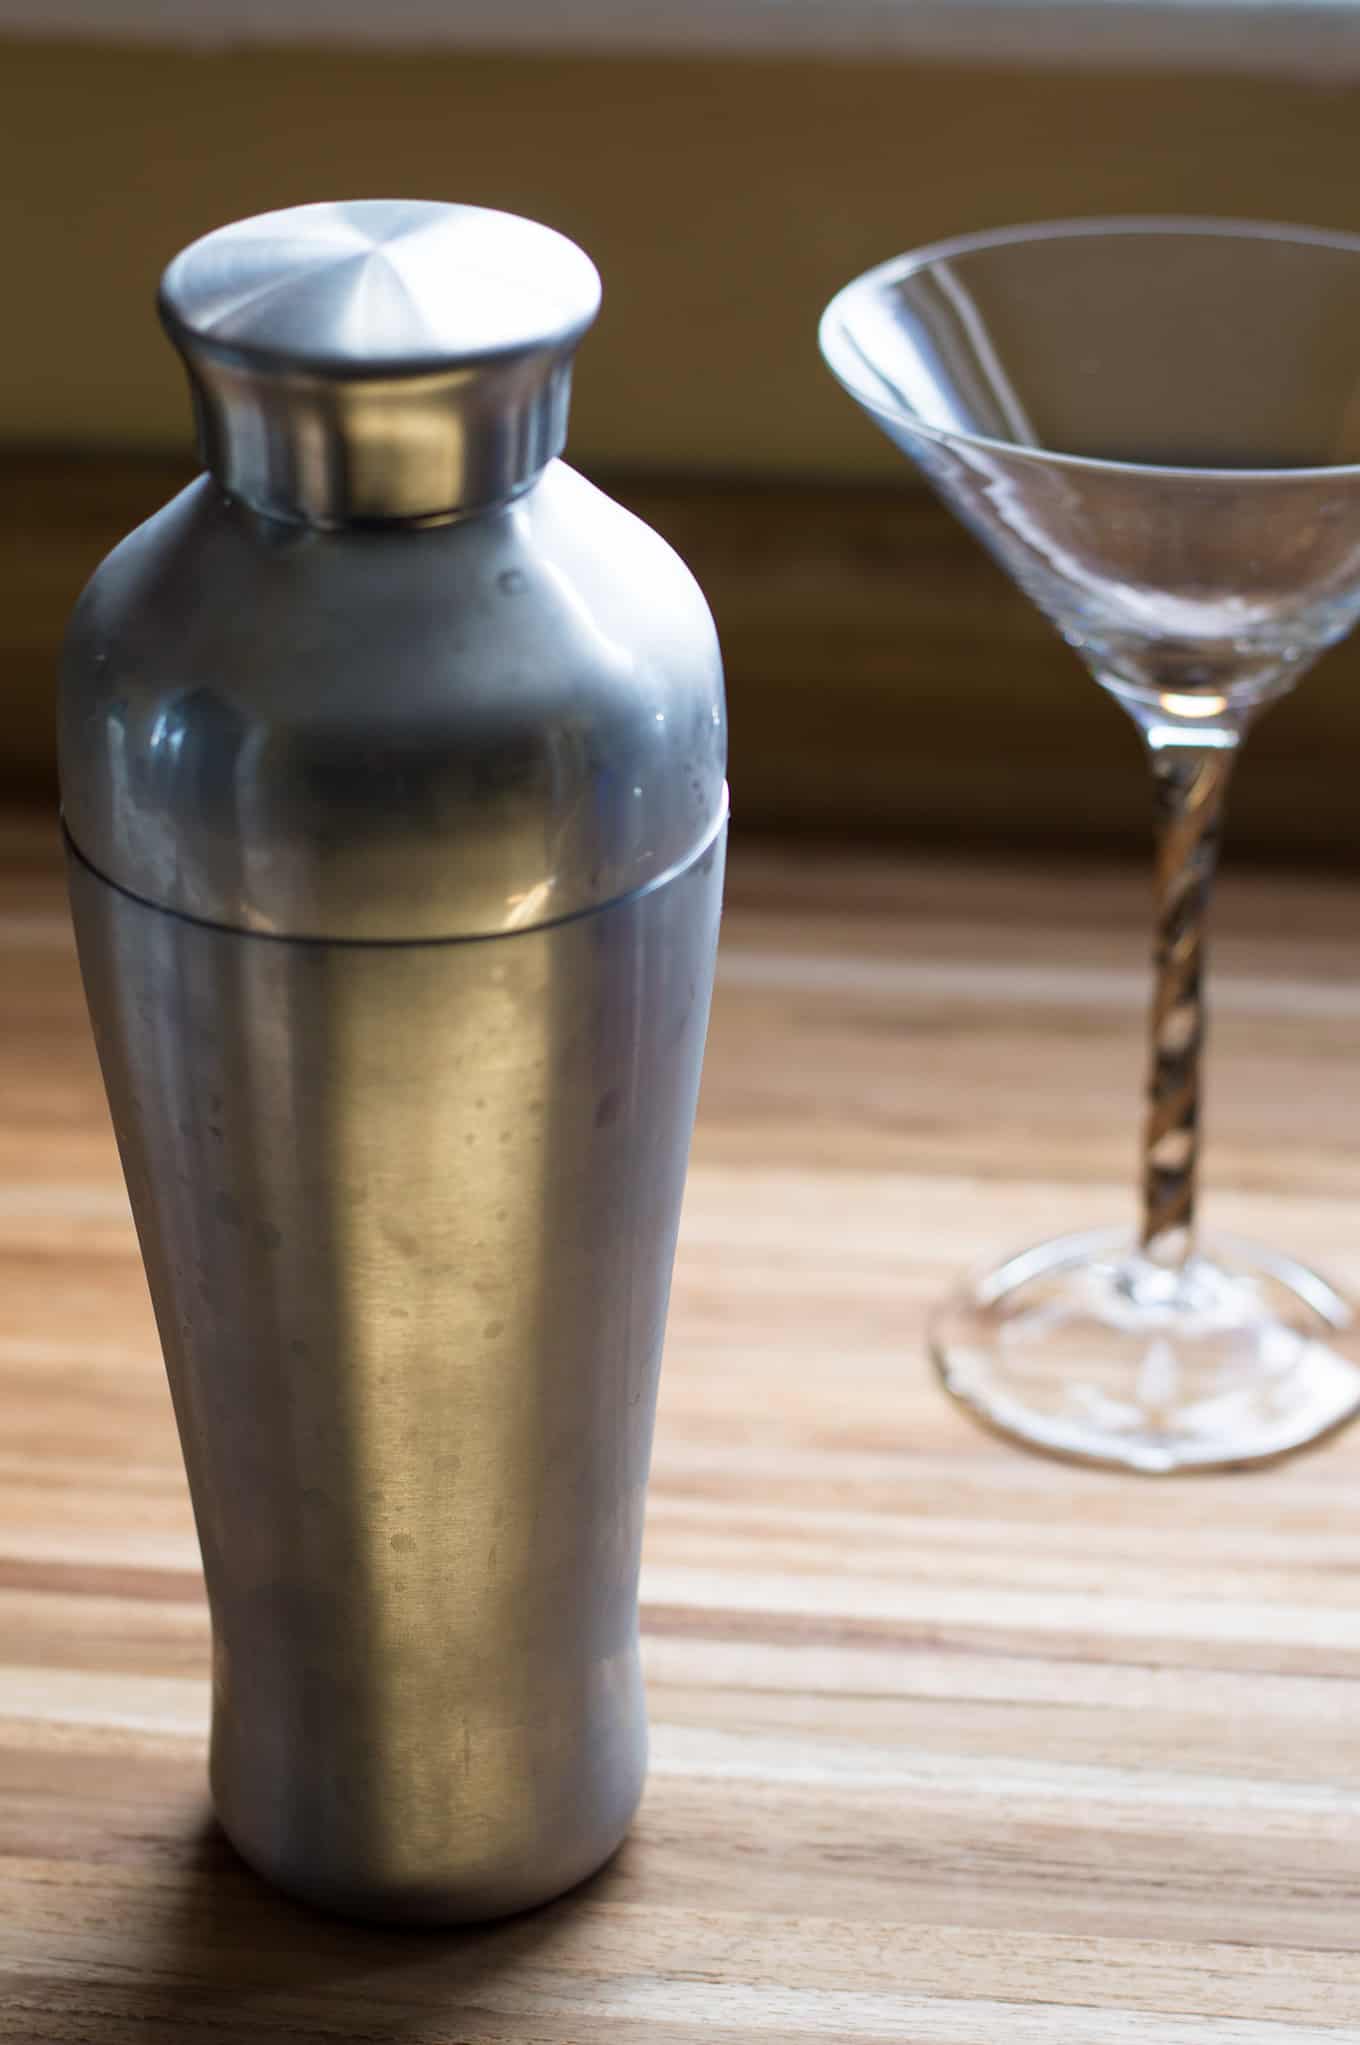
1191	771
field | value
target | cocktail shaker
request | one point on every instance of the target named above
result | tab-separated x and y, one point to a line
392	760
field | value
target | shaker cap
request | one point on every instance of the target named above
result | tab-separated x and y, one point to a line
379	360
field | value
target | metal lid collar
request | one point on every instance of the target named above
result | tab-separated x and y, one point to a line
382	360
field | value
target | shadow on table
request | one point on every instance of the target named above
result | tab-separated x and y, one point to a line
226	1957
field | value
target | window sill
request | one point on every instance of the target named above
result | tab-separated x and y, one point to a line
1296	38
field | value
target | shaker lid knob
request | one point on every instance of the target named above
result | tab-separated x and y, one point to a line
383	359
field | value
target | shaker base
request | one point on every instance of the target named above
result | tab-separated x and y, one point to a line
480	1902
487	1870
420	1906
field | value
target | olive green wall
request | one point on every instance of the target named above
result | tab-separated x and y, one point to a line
870	643
723	199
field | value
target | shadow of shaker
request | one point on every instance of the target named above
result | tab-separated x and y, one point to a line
219	1954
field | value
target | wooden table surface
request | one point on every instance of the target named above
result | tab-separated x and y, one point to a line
951	1746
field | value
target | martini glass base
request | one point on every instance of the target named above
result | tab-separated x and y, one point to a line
1084	1347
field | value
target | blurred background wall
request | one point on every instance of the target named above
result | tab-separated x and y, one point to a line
885	681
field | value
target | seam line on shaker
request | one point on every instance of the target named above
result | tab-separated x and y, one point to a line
647	887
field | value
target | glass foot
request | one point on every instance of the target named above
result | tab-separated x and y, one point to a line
1086	1348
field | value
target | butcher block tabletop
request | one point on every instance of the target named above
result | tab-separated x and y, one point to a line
951	1746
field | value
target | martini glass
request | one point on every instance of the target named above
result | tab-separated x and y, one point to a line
1154	425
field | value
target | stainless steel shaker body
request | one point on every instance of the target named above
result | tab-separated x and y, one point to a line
396	858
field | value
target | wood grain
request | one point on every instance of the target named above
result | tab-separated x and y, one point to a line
950	1745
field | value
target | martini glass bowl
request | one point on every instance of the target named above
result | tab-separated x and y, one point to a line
1154	426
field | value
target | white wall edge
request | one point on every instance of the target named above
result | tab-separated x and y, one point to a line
1310	39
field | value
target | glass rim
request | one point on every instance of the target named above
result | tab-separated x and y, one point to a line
832	331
